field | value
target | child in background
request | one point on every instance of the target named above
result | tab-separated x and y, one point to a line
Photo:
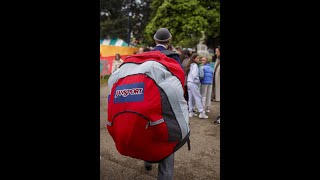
193	84
116	63
206	84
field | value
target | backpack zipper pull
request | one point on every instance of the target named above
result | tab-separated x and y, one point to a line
147	125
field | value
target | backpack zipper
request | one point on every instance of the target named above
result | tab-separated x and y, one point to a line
149	123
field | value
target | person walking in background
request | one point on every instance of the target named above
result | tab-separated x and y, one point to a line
141	50
179	50
146	49
217	75
116	62
206	84
193	83
185	58
217	80
214	58
170	47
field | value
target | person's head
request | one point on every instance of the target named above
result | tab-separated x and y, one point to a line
218	52
162	36
146	49
179	49
141	50
185	54
170	47
117	56
195	58
204	60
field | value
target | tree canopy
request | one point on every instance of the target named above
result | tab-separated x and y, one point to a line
115	16
187	20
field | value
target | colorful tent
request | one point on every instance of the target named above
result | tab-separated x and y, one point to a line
108	49
113	42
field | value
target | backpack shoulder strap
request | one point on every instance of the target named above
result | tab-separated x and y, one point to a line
173	66
169	53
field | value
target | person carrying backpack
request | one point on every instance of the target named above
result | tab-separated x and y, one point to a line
147	113
161	38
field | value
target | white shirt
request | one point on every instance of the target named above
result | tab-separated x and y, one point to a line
161	45
193	75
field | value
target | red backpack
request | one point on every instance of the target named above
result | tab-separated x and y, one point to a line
147	113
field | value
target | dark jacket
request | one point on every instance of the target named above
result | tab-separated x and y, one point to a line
161	48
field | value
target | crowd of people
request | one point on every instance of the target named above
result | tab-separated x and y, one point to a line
202	82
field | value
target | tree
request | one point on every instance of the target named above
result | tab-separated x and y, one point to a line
114	19
186	20
213	36
155	4
140	13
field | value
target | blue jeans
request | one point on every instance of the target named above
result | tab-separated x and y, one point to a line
165	168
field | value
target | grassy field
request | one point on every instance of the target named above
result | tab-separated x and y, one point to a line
104	80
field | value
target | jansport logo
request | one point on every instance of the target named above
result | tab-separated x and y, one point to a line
126	92
129	93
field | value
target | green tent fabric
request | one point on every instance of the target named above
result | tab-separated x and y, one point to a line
113	42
